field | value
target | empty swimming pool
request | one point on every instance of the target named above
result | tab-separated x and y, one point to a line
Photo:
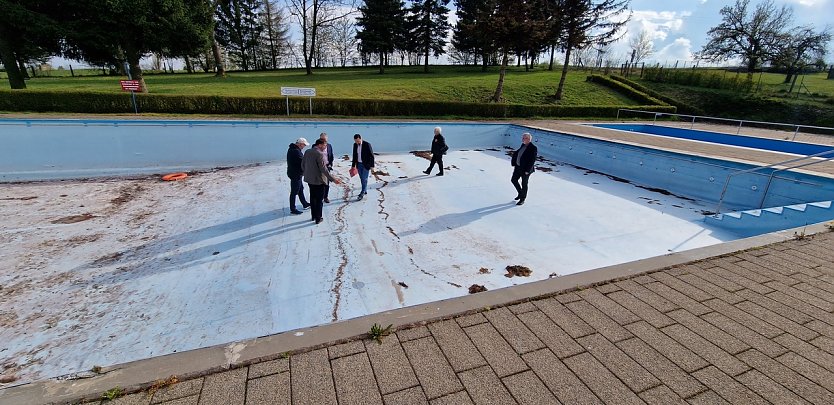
98	269
776	145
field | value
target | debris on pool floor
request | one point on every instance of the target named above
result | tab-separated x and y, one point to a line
99	272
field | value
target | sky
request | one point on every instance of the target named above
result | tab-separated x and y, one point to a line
679	27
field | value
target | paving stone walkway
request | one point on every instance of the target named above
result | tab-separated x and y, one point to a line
752	327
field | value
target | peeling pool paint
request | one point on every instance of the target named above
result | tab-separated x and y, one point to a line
164	267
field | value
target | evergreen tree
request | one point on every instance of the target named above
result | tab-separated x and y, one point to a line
430	27
587	22
470	34
28	31
275	33
381	23
238	29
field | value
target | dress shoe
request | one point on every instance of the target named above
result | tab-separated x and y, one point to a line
426	171
318	220
518	197
360	197
520	202
306	206
439	174
296	212
327	200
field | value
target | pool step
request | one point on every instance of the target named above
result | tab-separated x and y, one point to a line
758	221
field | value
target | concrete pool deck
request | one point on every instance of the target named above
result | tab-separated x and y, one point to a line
599	350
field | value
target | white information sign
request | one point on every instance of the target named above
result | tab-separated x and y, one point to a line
298	91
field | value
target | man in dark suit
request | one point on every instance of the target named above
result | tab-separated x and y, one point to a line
524	162
329	154
294	172
363	160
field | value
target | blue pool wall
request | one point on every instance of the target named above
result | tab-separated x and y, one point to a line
695	177
798	148
65	149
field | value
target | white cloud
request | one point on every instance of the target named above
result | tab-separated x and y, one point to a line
809	3
679	50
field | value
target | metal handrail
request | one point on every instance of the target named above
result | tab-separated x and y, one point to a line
796	127
770	180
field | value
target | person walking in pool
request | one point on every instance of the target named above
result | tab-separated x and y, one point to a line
294	172
363	160
438	149
329	154
524	161
317	177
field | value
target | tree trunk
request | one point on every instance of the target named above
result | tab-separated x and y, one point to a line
564	74
484	61
499	90
426	65
552	51
188	67
16	80
22	67
219	70
381	63
133	56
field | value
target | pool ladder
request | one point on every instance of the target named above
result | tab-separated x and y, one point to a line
772	173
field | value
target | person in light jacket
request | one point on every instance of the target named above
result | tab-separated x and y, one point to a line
438	149
329	154
524	162
317	177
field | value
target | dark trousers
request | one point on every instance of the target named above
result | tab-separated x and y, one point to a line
316	200
436	158
297	189
518	173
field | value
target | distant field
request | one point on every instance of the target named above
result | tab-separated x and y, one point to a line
445	83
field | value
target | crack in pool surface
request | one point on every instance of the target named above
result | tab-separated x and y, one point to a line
342	252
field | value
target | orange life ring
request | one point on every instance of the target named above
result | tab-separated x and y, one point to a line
174	176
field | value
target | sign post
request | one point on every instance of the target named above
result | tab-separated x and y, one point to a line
131	85
298	92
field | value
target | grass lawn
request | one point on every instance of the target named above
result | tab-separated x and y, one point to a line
445	83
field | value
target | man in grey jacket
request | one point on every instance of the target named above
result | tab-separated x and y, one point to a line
317	177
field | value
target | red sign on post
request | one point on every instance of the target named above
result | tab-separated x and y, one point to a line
130	85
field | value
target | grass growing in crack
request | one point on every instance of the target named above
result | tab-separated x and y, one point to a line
378	332
112	393
96	369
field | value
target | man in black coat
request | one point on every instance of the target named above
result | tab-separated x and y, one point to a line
438	148
363	160
524	162
294	172
330	158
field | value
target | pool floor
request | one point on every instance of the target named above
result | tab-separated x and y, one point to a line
101	272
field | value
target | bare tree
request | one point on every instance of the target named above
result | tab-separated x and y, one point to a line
344	40
641	47
754	37
311	15
803	45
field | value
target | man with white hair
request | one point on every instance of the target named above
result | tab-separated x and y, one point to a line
438	149
294	172
524	162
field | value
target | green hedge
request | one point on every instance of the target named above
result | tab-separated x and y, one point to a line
711	78
625	89
41	101
683	108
